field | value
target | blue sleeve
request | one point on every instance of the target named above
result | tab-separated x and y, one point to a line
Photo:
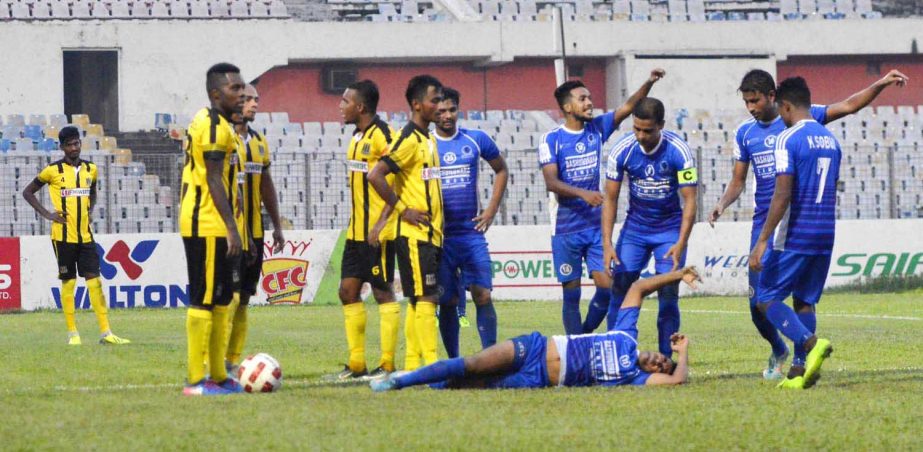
605	124
547	150
741	152
615	164
683	163
819	113
627	321
640	379
785	155
489	149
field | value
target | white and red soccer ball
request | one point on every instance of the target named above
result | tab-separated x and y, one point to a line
260	373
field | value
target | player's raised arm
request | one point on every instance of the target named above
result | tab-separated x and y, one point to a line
644	287
861	99
680	375
625	109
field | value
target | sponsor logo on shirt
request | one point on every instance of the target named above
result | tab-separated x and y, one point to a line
431	173
75	192
253	168
357	166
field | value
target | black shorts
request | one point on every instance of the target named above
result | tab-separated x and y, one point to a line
372	265
212	274
419	264
250	271
76	258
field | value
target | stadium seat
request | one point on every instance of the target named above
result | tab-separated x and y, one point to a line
60	9
34	133
177	9
108	143
279	117
198	9
99	10
239	9
20	10
259	9
95	130
219	8
41	10
24	144
83	121
120	9
139	9
277	9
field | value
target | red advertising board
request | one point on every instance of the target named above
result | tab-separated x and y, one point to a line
9	273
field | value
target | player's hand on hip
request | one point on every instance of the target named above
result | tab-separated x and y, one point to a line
756	256
675	252
483	221
895	77
373	238
416	217
278	241
593	198
714	215
657	74
610	258
58	217
234	243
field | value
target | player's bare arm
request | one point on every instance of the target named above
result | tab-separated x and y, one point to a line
214	167
375	232
610	207
732	192
28	194
561	188
377	177
781	199
271	201
689	207
483	221
680	345
861	99
625	109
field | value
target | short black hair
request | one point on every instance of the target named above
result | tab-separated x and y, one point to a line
451	94
649	108
368	92
216	77
757	81
417	87
68	133
562	93
794	90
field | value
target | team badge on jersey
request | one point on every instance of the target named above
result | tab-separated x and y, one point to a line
450	157
649	171
466	151
770	141
581	147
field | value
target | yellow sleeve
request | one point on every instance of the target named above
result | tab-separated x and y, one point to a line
45	176
266	159
380	144
216	136
402	157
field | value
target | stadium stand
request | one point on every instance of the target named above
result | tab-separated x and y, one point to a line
141	9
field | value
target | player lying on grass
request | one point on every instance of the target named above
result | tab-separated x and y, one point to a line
536	361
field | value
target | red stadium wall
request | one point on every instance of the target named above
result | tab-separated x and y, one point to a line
833	78
523	84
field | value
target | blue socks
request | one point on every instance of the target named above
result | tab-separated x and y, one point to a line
809	320
667	317
570	311
462	306
621	282
597	310
436	372
767	330
449	328
787	322
487	324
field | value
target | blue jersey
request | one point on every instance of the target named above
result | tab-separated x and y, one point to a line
811	155
458	168
606	359
577	155
755	143
654	181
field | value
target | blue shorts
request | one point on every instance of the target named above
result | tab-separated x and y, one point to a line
530	368
753	279
569	250
786	273
465	262
635	248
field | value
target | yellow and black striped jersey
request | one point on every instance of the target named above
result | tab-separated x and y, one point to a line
365	150
254	159
210	136
415	162
71	189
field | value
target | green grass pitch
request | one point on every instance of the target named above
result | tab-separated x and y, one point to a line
128	398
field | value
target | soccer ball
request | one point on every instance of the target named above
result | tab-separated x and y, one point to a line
260	373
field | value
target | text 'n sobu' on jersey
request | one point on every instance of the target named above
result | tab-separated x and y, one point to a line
415	162
71	189
210	136
366	147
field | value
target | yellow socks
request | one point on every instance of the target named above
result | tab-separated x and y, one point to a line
218	343
354	314
412	358
390	317
238	332
198	329
68	304
426	331
98	301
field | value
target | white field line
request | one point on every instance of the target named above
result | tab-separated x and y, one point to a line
819	314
